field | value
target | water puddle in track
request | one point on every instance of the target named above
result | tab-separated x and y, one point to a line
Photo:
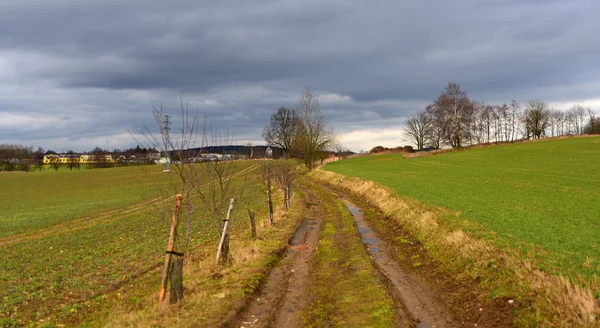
366	234
418	299
299	235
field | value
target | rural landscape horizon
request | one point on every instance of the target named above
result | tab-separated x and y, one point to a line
299	164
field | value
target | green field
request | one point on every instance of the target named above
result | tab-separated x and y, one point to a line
542	196
104	241
36	200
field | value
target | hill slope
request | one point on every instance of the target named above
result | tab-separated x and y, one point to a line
543	195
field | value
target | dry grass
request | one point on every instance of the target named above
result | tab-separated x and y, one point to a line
555	301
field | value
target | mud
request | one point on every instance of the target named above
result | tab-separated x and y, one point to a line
283	298
417	297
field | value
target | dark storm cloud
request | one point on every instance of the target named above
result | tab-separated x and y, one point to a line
89	70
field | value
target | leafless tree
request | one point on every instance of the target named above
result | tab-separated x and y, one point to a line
454	112
593	125
283	129
515	112
418	128
504	113
578	113
315	134
536	119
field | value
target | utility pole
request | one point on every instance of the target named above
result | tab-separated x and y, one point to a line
167	129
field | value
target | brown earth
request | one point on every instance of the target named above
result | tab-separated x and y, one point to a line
283	298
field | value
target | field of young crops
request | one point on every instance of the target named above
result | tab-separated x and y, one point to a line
539	197
88	233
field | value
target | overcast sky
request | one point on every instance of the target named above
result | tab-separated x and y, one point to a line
75	74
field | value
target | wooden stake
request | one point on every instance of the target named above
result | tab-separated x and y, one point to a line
170	245
176	278
252	223
225	250
269	201
224	231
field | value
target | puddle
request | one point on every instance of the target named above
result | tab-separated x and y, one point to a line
297	241
368	237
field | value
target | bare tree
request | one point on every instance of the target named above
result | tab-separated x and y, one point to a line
285	174
315	135
418	128
454	111
504	113
593	125
515	113
578	113
536	119
283	129
198	185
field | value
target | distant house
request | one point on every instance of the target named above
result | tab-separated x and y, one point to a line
153	156
269	152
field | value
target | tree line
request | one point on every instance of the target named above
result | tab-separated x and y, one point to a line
455	120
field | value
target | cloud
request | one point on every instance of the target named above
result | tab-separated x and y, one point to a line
81	72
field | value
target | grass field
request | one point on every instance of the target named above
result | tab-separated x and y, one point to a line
63	276
541	196
35	200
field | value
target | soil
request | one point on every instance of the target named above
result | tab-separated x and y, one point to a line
283	298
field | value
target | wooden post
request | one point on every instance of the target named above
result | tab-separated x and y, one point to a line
252	223
170	245
225	250
270	201
224	231
176	278
289	194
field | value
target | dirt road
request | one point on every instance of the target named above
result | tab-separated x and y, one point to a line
282	300
285	297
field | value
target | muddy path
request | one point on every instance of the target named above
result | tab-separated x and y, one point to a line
285	295
283	298
419	299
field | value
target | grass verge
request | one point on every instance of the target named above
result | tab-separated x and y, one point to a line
549	300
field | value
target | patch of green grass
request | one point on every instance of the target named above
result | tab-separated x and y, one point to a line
539	197
347	290
36	200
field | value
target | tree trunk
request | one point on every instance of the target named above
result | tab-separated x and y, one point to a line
252	223
176	278
225	250
170	246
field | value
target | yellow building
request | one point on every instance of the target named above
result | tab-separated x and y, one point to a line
83	159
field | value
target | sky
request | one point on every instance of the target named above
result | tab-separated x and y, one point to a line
80	74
